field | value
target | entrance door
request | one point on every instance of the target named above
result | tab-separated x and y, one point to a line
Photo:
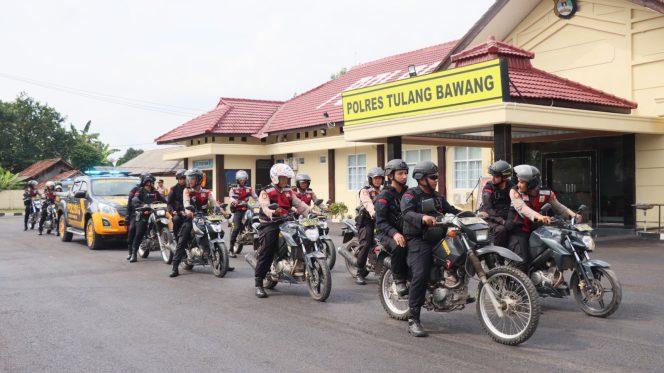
262	173
572	176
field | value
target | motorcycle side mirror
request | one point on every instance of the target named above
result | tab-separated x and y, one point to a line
273	206
329	201
223	206
546	208
428	206
582	208
318	202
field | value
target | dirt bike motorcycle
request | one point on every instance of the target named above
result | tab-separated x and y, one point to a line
35	211
207	246
49	223
299	245
507	302
327	246
158	236
563	246
350	249
248	234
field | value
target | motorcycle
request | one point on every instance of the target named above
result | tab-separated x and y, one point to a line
248	233
207	246
35	211
349	250
507	302
565	245
299	244
327	246
157	235
49	223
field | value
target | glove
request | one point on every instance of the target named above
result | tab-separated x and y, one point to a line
280	212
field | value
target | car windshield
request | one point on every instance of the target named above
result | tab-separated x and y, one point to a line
113	187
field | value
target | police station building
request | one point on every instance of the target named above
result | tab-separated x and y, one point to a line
575	88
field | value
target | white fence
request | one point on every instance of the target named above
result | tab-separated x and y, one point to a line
11	199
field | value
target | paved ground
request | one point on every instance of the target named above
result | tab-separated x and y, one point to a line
66	308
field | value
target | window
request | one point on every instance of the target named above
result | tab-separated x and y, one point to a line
357	171
412	157
231	138
297	135
300	160
467	167
243	139
323	159
202	163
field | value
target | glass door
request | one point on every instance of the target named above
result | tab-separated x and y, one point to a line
572	177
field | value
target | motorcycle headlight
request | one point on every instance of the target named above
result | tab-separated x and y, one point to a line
106	209
216	227
589	242
482	235
311	234
323	224
161	212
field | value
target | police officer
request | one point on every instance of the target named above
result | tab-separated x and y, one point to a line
415	222
366	220
527	199
29	193
240	195
389	224
145	195
49	198
302	190
130	219
268	232
58	189
496	201
194	198
175	204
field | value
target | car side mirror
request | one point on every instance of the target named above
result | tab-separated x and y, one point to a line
80	194
273	206
428	206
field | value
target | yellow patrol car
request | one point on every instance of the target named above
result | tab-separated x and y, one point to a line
95	207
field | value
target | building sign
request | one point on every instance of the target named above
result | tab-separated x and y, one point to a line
473	85
202	163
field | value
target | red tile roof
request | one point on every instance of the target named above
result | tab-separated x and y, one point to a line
306	110
61	176
40	166
232	116
529	82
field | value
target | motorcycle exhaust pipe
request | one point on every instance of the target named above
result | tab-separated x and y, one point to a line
347	254
251	259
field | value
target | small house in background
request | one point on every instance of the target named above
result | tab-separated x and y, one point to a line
53	169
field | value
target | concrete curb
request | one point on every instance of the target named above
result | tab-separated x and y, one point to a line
11	214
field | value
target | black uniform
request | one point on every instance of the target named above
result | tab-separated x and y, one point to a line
176	207
389	222
365	230
143	197
496	202
130	220
28	195
49	199
419	251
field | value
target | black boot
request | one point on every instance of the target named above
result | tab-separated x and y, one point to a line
359	279
174	273
414	325
402	290
232	250
133	258
40	232
260	292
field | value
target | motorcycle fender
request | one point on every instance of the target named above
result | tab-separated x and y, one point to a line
504	252
309	258
216	240
589	264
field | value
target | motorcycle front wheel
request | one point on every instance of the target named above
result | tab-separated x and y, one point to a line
319	280
167	245
350	247
144	248
517	300
592	299
330	253
395	306
220	259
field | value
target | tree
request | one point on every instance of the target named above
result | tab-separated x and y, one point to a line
131	153
8	180
87	150
341	72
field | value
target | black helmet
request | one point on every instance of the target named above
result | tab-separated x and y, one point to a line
395	165
529	174
423	169
195	174
33	183
375	172
180	174
500	168
147	177
302	177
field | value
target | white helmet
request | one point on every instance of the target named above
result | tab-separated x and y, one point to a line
241	174
50	184
280	169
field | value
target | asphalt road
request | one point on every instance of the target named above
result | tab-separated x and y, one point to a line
66	308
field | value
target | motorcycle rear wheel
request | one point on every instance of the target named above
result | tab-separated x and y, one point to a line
319	281
349	246
395	306
168	245
144	248
518	300
584	299
219	260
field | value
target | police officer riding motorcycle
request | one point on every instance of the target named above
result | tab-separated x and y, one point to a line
302	189
130	219
415	224
175	204
29	193
496	201
240	195
47	208
389	222
366	220
145	195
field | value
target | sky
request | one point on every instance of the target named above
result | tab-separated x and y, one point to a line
138	69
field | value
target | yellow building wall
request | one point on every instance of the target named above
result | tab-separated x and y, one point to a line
350	197
316	170
608	38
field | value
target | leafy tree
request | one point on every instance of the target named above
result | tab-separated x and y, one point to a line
339	73
8	180
130	154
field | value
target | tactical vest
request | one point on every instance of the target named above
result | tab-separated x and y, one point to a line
391	200
199	199
517	223
499	198
305	196
282	198
241	194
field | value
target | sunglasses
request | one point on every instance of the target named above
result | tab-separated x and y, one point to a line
432	177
